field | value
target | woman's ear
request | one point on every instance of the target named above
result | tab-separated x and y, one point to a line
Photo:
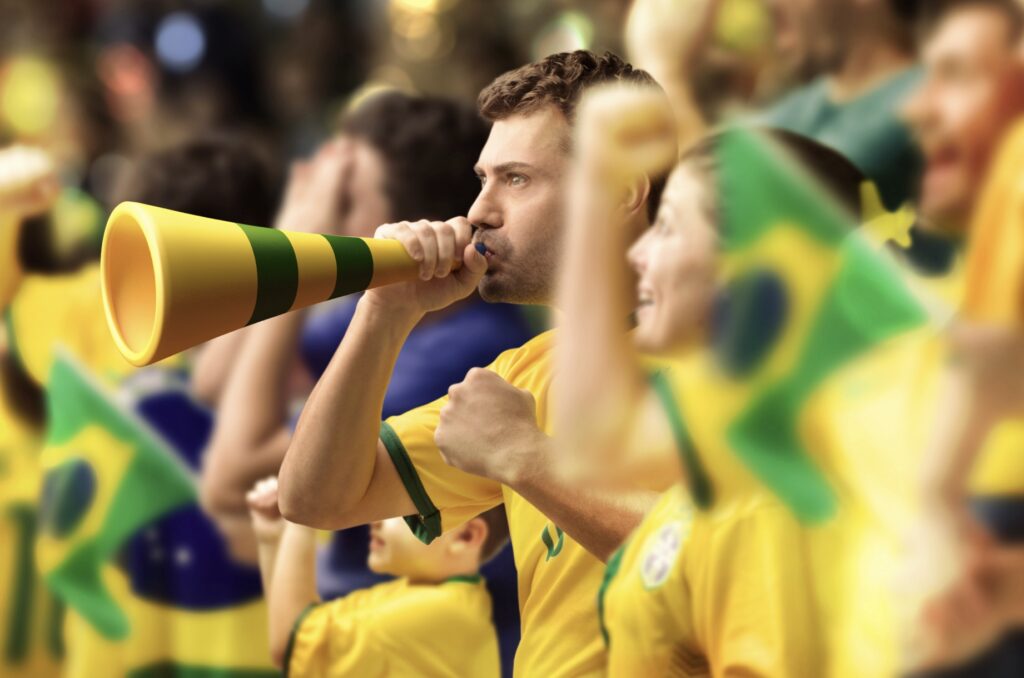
637	193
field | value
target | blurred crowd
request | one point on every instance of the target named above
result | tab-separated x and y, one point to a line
665	337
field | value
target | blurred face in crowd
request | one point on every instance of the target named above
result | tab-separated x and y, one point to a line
675	265
972	91
363	202
807	34
518	214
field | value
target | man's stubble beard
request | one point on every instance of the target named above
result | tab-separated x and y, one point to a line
527	279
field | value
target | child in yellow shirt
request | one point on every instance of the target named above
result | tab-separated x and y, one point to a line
434	619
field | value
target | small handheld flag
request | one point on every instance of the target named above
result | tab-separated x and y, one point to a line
107	475
805	295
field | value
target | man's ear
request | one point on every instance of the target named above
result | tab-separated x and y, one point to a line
637	193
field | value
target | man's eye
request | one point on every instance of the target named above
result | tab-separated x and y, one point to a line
516	180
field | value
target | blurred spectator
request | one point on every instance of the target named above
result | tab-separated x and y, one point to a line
862	56
972	93
217	178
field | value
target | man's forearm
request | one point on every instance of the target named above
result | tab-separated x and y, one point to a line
250	434
212	368
599	520
599	513
254	404
595	358
959	431
266	553
330	461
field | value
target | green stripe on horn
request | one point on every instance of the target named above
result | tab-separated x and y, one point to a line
355	264
277	272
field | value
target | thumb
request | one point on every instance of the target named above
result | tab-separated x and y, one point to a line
473	267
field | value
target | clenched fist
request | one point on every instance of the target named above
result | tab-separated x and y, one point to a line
489	428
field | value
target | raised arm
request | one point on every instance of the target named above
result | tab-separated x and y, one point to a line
213	366
248	372
601	393
336	472
287	558
982	386
251	432
664	38
30	187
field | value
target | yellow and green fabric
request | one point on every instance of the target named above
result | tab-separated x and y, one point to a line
62	309
558	579
645	623
803	297
106	475
31	644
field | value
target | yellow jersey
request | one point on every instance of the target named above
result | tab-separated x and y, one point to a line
999	469
558	579
751	590
646	624
67	310
31	618
399	628
875	419
62	310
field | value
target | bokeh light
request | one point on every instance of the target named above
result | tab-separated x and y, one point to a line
180	42
569	31
743	26
285	9
29	96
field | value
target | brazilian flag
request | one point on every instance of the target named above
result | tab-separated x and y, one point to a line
805	294
107	475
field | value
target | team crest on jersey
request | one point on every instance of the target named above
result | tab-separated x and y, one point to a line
660	553
553	544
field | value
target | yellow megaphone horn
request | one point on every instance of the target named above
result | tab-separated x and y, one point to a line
173	280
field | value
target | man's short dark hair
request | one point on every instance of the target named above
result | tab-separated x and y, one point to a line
833	172
907	10
214	176
429	146
557	80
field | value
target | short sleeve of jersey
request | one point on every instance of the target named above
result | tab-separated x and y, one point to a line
445	497
65	310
